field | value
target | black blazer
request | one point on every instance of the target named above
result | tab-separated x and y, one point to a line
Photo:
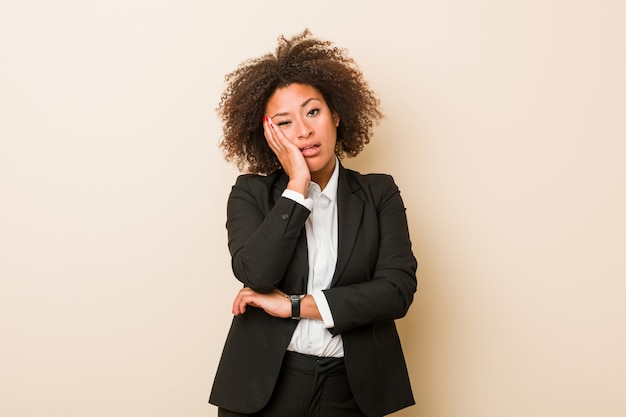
373	284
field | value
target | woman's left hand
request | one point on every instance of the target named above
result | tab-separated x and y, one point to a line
289	156
274	303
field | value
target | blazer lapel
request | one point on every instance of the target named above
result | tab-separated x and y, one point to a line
349	215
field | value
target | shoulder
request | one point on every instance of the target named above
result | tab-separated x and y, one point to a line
370	181
256	181
376	188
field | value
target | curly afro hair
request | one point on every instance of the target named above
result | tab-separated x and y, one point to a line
302	59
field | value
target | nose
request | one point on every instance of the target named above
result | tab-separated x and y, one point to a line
304	130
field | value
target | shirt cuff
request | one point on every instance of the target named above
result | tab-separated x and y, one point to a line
298	198
324	309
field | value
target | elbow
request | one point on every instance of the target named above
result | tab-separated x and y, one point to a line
402	308
406	296
255	281
261	289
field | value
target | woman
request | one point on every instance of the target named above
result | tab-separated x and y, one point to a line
323	252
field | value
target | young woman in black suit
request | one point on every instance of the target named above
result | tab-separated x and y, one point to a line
323	252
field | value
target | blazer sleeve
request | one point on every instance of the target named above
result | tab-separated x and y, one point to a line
385	290
262	236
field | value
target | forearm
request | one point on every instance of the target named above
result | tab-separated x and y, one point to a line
308	308
262	246
384	298
275	303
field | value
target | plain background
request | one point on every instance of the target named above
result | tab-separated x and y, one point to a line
505	129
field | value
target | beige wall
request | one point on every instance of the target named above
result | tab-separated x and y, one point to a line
505	130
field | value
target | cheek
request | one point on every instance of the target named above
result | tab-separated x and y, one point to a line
332	135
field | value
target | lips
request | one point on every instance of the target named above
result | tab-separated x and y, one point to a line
310	150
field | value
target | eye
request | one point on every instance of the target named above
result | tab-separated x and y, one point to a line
313	112
283	123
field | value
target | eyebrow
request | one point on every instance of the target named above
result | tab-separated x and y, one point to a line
303	105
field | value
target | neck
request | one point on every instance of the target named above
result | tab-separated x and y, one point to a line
322	178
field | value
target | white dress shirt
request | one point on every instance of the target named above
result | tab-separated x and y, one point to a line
312	336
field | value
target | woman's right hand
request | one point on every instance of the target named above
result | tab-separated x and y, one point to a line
274	303
289	157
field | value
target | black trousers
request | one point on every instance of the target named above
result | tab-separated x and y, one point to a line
308	386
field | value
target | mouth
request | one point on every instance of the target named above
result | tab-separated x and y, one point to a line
310	150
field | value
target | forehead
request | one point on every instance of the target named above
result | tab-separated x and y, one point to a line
292	97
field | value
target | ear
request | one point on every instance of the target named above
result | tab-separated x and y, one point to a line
336	119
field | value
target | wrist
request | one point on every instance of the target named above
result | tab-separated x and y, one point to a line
299	185
296	300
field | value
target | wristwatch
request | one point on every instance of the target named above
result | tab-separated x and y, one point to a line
295	305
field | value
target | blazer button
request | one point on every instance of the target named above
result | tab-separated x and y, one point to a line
285	216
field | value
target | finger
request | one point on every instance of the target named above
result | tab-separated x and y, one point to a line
236	309
280	138
288	154
277	138
278	143
269	132
242	306
239	306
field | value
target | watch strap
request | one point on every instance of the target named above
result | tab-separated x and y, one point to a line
295	305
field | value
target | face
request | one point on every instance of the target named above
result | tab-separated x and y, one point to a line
302	115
